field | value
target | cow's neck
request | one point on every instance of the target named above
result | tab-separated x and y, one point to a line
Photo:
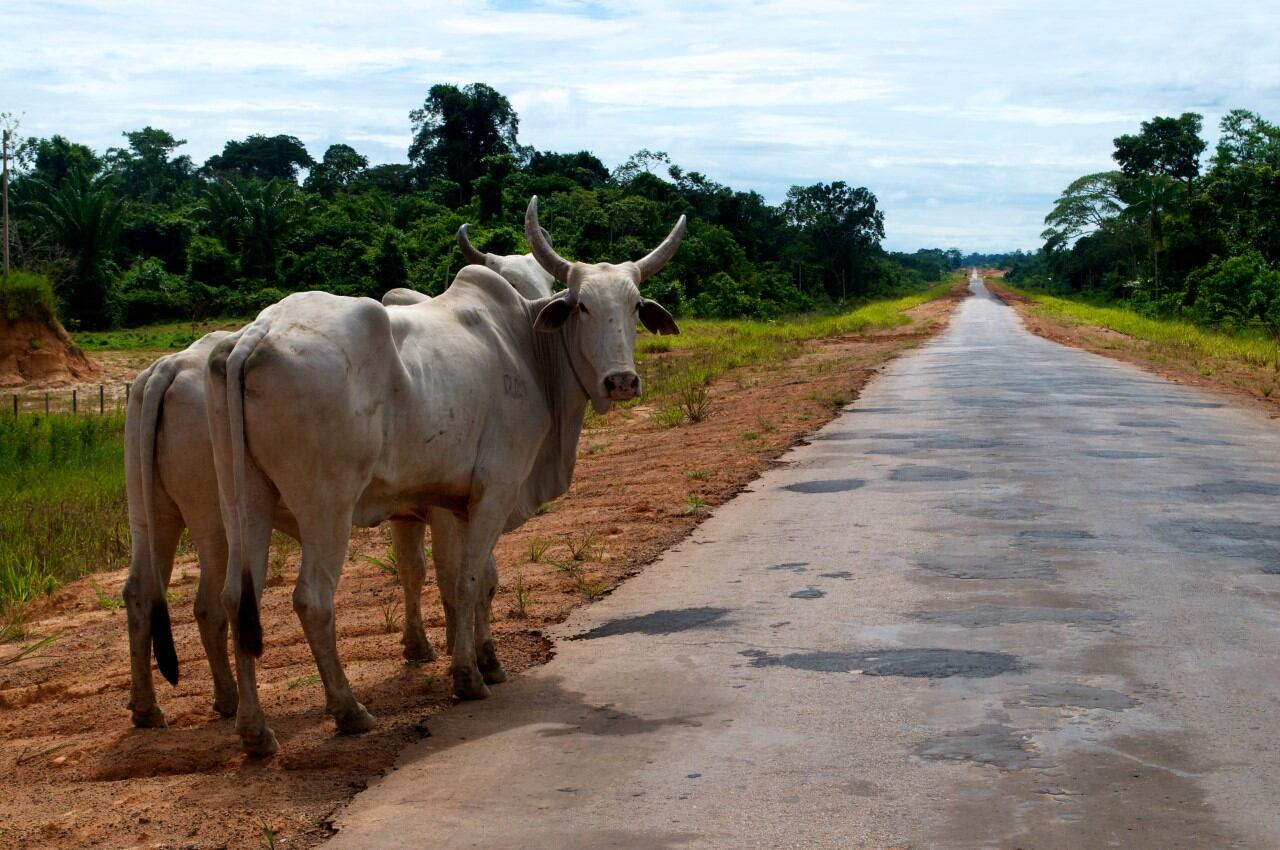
566	401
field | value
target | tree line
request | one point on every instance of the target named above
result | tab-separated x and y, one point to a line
141	233
1170	233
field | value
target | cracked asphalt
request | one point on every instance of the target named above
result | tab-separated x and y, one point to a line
1016	596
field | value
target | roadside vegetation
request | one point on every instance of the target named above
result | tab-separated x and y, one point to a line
62	506
1189	241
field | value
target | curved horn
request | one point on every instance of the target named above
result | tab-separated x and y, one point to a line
556	265
469	251
652	263
547	235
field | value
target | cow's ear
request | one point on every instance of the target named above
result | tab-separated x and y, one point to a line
656	318
553	316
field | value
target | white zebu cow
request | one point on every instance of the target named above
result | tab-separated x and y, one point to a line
352	413
172	485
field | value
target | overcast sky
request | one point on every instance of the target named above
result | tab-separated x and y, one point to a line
965	118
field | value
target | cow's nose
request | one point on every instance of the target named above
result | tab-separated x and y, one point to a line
622	385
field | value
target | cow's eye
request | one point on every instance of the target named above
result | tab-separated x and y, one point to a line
583	308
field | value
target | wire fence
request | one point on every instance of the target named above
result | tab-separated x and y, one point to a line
83	400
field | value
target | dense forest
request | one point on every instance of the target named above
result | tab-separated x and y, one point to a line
141	233
1169	233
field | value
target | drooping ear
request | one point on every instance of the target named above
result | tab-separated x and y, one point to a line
553	316
656	318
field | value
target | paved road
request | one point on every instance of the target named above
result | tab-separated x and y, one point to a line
1017	596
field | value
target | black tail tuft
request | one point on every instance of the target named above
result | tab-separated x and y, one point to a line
248	626
162	642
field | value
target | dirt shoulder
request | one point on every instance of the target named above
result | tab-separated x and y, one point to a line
1240	382
76	774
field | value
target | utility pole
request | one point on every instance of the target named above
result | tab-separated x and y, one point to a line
7	124
4	189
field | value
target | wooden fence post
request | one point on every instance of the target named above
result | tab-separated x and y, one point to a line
73	402
15	404
46	403
126	396
102	399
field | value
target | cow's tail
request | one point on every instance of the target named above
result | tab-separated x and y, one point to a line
158	384
248	622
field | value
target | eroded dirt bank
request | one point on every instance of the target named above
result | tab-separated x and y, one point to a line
77	775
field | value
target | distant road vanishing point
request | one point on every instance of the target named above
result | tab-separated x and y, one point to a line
1017	596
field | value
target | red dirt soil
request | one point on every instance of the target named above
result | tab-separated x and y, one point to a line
76	774
35	352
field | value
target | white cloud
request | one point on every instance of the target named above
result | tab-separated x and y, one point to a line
966	118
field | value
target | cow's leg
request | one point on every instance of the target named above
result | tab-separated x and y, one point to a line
211	547
446	553
251	724
411	566
166	526
486	518
486	652
325	535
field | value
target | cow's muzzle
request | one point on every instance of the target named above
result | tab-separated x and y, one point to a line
622	386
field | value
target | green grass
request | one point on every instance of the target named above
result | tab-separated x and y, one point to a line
1252	348
170	336
62	504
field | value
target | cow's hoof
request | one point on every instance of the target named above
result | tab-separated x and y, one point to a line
469	684
151	718
225	705
418	649
356	721
260	745
490	667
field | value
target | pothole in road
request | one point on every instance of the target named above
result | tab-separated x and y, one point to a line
1055	536
1068	695
841	574
1008	509
658	623
1229	538
1211	491
1122	454
928	663
809	592
991	743
983	616
966	567
948	441
831	485
928	473
791	567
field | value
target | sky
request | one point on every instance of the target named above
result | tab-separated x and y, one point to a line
965	118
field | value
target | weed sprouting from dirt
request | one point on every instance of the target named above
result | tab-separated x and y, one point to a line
538	549
386	565
694	400
390	617
697	475
282	546
521	592
581	550
104	600
303	681
694	505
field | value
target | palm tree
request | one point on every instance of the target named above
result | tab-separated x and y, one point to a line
1150	198
255	219
83	217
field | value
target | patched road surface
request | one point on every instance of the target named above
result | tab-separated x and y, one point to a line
1017	596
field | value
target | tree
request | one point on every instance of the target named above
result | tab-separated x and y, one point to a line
339	168
1150	198
84	216
265	157
456	129
254	219
55	159
1091	204
147	169
1168	146
843	229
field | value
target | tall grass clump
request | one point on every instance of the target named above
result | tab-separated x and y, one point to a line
62	503
26	296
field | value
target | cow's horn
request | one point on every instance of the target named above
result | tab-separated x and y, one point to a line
473	256
660	256
546	256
